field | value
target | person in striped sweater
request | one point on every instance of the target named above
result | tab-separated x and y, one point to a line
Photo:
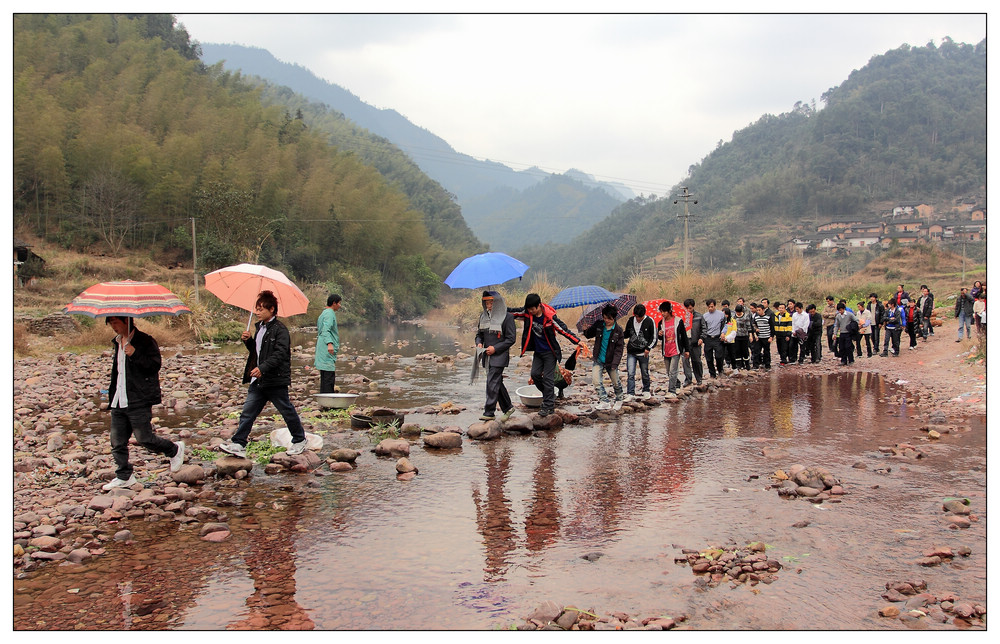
765	337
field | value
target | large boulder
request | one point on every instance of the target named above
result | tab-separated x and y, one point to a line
485	431
552	421
443	440
189	474
230	465
519	425
344	455
307	461
393	447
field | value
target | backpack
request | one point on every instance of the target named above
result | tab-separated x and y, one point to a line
852	328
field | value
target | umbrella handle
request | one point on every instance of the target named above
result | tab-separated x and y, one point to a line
249	320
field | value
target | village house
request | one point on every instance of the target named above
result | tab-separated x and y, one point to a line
907	226
978	213
968	232
22	255
861	240
838	225
903	238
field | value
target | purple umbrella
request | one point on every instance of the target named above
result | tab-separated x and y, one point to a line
623	303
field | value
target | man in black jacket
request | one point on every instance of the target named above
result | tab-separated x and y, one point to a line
878	313
496	335
640	338
269	372
692	361
926	305
134	389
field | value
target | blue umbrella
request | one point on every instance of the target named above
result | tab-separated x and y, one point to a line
581	296
485	269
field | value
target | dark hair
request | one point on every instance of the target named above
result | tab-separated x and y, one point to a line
799	304
754	305
689	302
739	308
841	306
925	286
811	307
532	300
870	295
665	307
861	305
725	303
610	311
639	309
709	301
123	318
829	298
727	313
268	301
333	299
764	299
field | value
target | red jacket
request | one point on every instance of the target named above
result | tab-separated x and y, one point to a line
550	323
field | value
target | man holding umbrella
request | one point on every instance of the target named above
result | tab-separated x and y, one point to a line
497	334
269	372
134	389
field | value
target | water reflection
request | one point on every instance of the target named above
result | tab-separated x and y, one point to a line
487	532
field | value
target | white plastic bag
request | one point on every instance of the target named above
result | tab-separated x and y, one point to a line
281	437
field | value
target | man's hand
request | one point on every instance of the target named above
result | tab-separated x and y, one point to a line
255	372
129	349
330	349
491	350
245	336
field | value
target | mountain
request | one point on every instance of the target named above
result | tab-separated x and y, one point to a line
909	126
472	181
123	139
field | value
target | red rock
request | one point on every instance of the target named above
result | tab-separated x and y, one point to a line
217	537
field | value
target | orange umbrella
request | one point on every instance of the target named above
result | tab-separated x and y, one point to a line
126	298
241	284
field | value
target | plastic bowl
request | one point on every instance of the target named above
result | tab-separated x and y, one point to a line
335	401
530	396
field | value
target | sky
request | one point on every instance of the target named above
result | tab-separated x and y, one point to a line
631	98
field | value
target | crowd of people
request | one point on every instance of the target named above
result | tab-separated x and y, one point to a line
726	336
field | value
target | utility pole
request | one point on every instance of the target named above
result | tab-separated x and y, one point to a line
686	197
194	260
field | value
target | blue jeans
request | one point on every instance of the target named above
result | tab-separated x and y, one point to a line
630	363
599	370
966	322
257	397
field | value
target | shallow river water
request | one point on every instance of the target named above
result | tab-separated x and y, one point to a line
587	516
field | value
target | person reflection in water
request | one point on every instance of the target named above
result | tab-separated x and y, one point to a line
270	559
493	516
541	525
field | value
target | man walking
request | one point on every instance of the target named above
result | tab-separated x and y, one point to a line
964	309
878	312
829	319
692	360
269	371
496	335
713	323
327	345
640	337
926	306
134	389
540	327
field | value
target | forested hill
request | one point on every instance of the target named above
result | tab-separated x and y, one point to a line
122	136
910	126
488	192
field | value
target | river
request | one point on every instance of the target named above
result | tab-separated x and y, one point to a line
588	516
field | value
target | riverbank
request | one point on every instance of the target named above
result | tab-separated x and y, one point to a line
61	453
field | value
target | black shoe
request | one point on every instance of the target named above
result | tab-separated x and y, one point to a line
884	354
544	413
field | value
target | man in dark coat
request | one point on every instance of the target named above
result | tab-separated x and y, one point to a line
269	372
496	335
134	389
540	327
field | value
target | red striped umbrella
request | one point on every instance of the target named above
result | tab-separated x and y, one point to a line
126	298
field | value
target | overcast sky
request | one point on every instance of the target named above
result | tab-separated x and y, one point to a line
630	98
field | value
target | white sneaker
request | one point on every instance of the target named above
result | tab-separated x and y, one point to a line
618	405
234	448
296	448
736	372
603	406
177	459
646	395
629	397
117	482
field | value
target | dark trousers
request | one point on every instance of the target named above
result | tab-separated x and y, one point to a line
793	349
762	353
327	379
741	352
714	356
829	339
868	342
543	372
911	330
876	335
496	391
846	348
815	342
782	343
892	335
730	355
692	364
135	421
257	397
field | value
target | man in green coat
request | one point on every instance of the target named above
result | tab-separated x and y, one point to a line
327	344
